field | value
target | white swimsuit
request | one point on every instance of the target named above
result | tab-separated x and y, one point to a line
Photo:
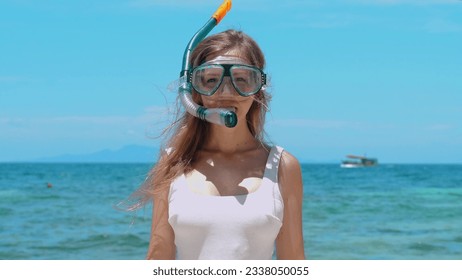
228	227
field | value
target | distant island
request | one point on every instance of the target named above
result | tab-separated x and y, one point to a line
126	154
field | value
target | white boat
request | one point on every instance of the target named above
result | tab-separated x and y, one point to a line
358	161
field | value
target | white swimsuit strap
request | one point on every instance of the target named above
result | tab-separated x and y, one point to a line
272	164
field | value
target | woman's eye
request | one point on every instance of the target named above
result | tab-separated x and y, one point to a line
241	79
211	80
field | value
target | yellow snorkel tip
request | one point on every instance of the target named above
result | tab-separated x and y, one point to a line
222	10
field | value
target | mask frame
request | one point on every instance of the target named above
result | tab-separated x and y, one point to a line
227	71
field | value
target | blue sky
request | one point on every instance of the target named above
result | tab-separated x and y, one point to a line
377	77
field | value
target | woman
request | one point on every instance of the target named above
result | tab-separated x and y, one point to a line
219	192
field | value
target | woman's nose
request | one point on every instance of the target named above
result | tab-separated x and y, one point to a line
226	88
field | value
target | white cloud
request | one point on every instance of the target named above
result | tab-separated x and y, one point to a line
308	123
12	79
173	3
440	127
49	135
410	2
443	26
254	5
147	122
330	20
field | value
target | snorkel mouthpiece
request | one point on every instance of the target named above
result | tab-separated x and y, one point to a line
221	116
230	118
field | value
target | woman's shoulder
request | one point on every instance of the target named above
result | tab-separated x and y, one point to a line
289	173
288	160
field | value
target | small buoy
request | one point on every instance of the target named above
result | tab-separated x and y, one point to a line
49	185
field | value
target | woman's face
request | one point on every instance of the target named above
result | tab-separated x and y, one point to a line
226	95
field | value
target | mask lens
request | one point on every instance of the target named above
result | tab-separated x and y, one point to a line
247	80
207	78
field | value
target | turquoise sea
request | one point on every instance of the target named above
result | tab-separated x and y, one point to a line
385	212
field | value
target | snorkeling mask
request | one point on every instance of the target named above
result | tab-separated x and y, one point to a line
246	79
196	78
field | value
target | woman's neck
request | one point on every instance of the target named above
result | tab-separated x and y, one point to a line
230	140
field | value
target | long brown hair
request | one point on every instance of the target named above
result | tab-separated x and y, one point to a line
186	135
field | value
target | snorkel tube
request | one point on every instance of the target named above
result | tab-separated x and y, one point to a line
221	116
